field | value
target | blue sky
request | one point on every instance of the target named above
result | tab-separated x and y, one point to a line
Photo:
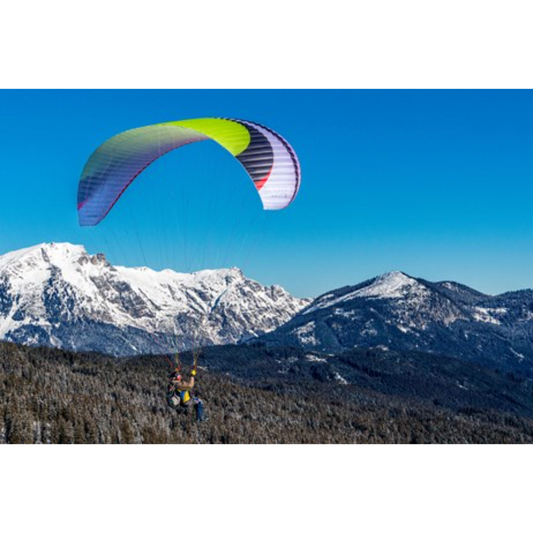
437	184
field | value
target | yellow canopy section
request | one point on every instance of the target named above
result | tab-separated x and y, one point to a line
233	136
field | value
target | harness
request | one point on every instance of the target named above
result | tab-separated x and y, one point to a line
184	396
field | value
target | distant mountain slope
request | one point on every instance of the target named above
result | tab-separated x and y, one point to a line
397	311
59	295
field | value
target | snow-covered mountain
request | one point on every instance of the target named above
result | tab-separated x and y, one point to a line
59	295
399	312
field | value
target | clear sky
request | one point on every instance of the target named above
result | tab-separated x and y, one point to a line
437	184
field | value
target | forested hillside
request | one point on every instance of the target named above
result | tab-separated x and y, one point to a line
51	396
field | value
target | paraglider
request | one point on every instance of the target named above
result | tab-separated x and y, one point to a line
180	394
268	159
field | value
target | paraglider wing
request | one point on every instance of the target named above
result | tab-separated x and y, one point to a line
268	159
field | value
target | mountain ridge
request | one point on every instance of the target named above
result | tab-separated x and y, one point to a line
59	295
401	312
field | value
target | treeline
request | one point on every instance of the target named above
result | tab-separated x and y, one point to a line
51	396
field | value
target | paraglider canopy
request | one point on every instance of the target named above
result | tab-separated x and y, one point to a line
268	159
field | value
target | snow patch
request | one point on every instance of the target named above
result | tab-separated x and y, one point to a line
519	356
340	379
403	329
306	334
314	359
484	314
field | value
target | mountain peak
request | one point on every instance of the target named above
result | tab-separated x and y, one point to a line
44	251
58	294
388	285
391	285
404	313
